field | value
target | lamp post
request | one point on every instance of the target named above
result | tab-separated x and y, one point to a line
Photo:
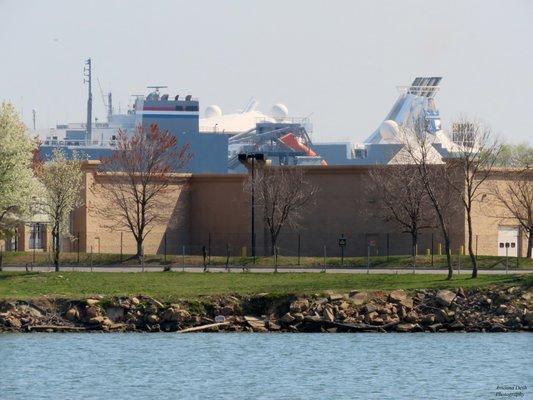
244	159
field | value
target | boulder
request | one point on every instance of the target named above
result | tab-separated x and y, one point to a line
328	315
152	319
397	296
29	311
445	297
428	319
255	324
370	308
92	302
272	326
411	317
344	305
135	301
371	317
72	314
298	317
441	316
220	319
287	319
358	298
93	311
335	297
227	310
154	302
175	314
299	306
115	313
528	319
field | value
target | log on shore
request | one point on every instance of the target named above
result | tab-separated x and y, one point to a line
203	327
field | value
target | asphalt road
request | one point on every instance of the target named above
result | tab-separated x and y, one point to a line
240	269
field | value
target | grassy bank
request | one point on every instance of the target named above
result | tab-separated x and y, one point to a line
395	262
173	285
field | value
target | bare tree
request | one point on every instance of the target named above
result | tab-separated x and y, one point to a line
397	194
283	194
140	172
516	195
61	179
474	157
433	174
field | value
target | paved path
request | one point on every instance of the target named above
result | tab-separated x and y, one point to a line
235	269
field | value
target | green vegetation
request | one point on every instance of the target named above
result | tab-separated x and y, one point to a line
174	285
176	261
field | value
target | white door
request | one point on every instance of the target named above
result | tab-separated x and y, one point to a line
508	241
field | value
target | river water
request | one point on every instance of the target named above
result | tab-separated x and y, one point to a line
265	366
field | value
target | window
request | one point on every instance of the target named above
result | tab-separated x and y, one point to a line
36	236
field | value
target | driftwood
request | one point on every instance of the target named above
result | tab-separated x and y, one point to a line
203	327
40	328
362	327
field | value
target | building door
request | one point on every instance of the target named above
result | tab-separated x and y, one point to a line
508	241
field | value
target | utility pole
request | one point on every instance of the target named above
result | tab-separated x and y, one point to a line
87	79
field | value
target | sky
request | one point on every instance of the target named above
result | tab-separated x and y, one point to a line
338	61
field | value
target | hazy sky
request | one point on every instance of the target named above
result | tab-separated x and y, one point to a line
339	60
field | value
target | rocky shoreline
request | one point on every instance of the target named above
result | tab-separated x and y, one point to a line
493	309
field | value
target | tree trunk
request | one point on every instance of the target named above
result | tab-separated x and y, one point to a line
471	253
414	244
448	255
139	248
529	243
56	249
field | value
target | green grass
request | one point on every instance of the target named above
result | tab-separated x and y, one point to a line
395	262
174	285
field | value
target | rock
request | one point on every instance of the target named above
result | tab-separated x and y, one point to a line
287	319
445	297
441	316
135	301
255	323
227	310
153	302
101	321
29	311
299	306
428	319
344	305
92	302
435	327
175	314
528	319
298	317
335	297
220	318
72	314
331	330
397	296
273	326
371	317
115	313
152	319
327	315
412	317
358	298
400	297
370	308
93	311
456	326
405	327
341	315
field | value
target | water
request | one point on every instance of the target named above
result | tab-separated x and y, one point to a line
263	366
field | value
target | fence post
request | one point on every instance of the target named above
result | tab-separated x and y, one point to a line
298	249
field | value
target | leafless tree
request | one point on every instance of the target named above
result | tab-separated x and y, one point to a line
516	196
433	173
397	194
283	193
474	157
139	173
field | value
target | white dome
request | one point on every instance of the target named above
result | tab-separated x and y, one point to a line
213	111
389	129
280	111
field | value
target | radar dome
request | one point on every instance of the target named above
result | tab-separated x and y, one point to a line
280	111
213	111
389	129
